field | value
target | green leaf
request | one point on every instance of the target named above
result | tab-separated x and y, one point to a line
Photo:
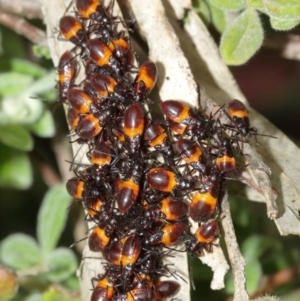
12	83
242	38
41	51
255	245
34	297
57	294
62	264
278	24
29	108
26	67
202	9
257	4
42	85
285	10
44	127
15	168
218	17
230	4
229	284
253	273
27	111
72	283
20	251
16	136
52	217
8	284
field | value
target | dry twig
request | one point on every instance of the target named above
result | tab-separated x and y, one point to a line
24	28
25	8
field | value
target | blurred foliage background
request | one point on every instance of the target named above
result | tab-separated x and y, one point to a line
36	228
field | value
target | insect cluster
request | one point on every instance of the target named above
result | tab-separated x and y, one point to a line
142	172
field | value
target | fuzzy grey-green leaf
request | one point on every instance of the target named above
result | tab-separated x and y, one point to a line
218	17
44	127
62	264
258	4
34	297
202	10
285	10
27	111
52	217
26	67
16	136
230	4
255	245
253	273
8	82
242	38
279	24
15	168
20	251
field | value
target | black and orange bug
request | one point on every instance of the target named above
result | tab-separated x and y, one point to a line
127	190
156	136
239	115
205	235
67	69
140	277
122	51
103	85
77	188
82	186
99	211
103	215
134	124
88	127
93	206
90	68
165	180
168	209
80	101
73	30
205	201
98	239
180	113
192	154
225	160
165	289
178	128
125	252
102	153
113	253
131	251
168	235
73	118
142	292
105	287
118	130
94	10
102	55
145	81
